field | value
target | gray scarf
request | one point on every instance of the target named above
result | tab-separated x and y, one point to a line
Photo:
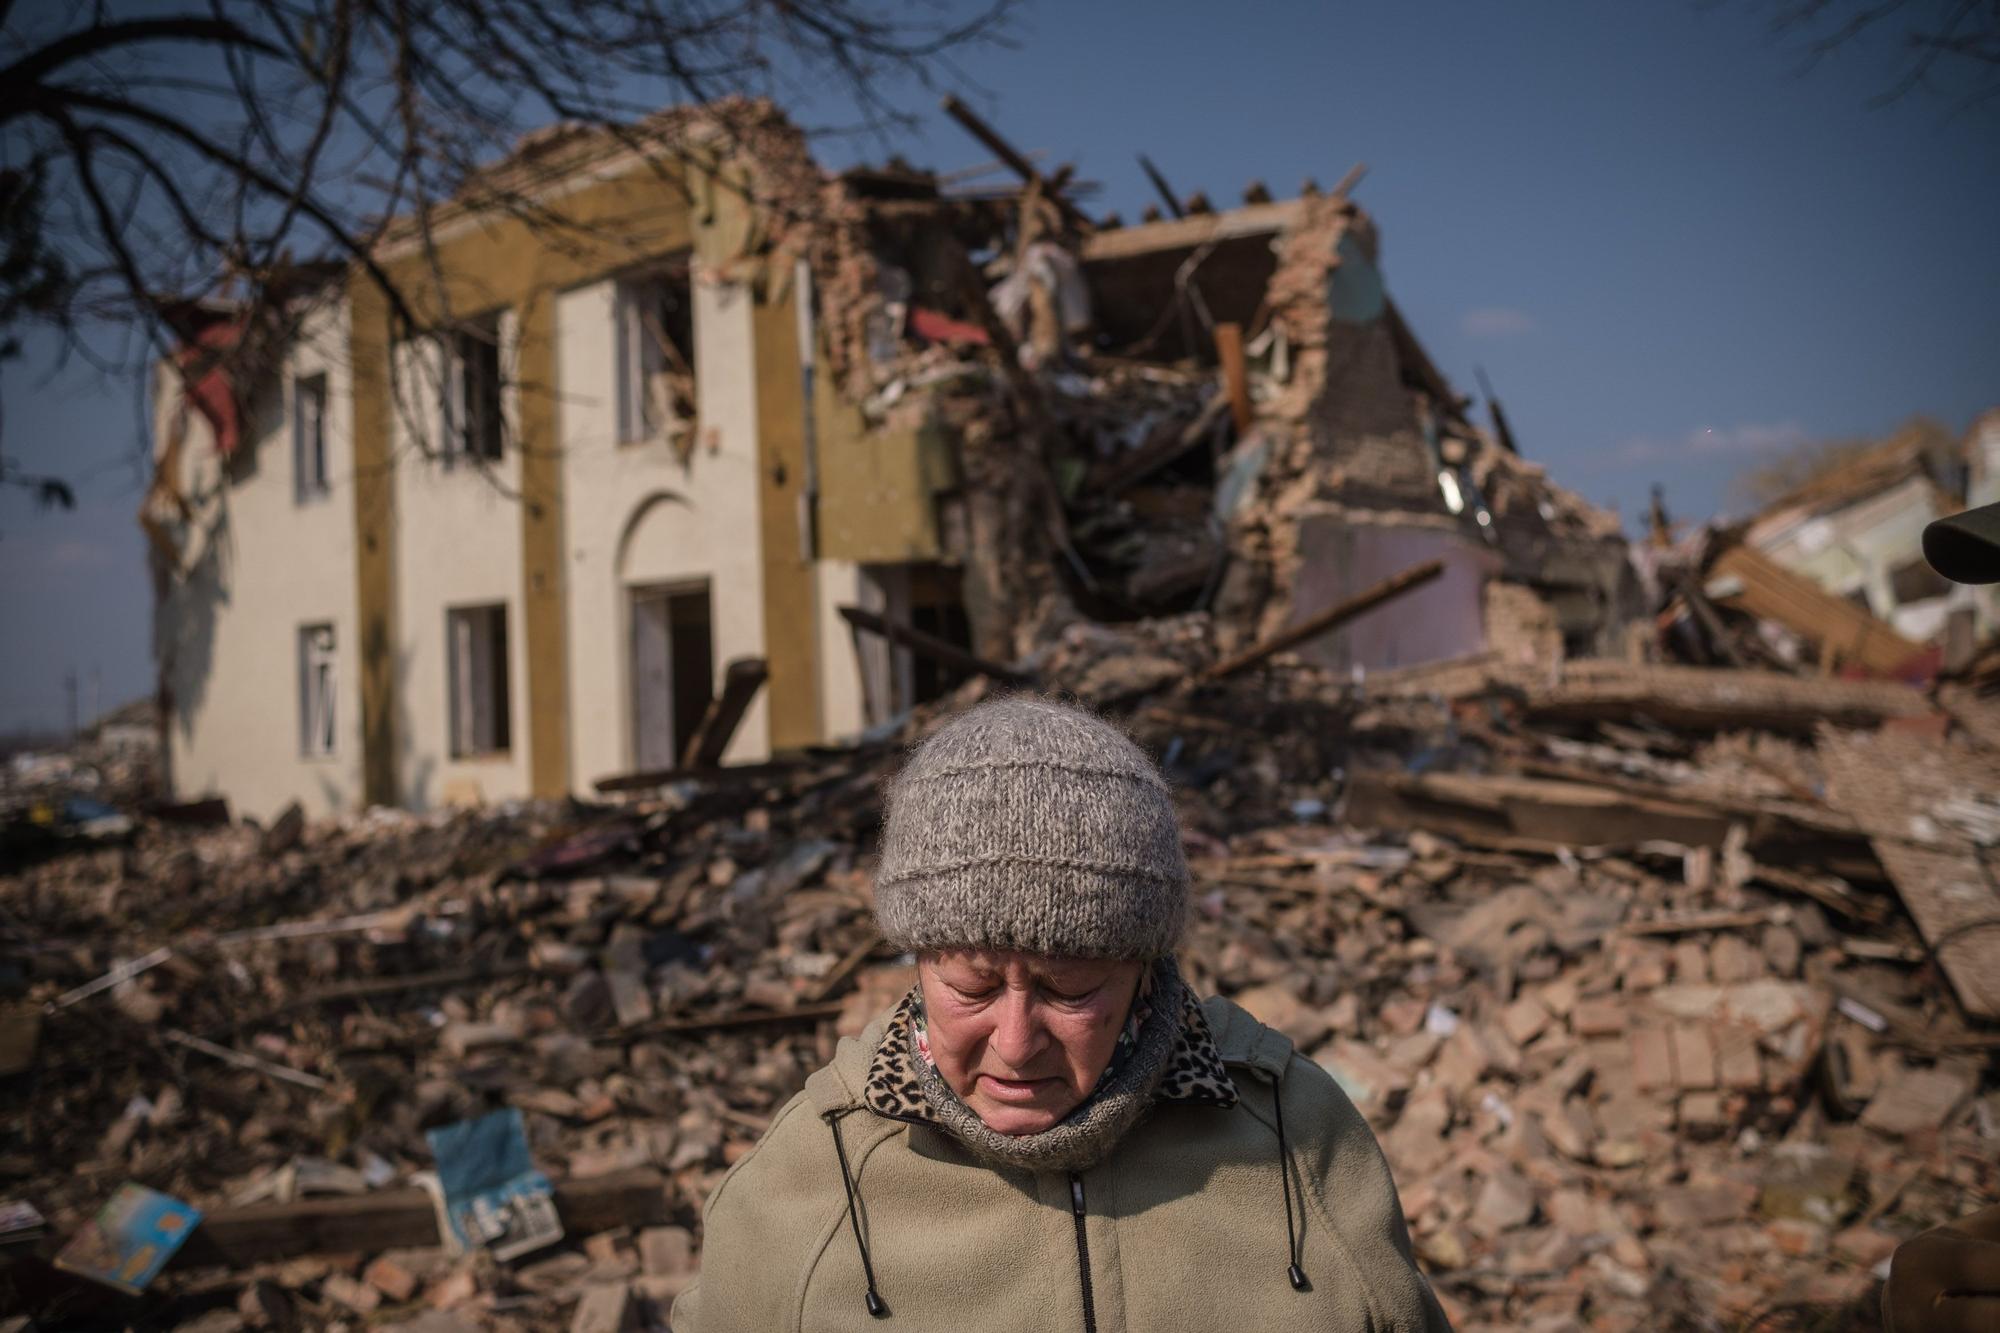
1086	1136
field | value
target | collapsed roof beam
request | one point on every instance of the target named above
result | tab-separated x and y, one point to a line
1160	183
938	650
1501	431
1013	157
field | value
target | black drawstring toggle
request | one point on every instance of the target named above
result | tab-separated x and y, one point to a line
873	1299
1295	1274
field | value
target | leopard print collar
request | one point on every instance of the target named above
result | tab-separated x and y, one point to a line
1194	1074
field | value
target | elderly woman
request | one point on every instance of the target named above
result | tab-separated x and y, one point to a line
1050	1130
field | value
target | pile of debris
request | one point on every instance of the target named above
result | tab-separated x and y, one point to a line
1667	990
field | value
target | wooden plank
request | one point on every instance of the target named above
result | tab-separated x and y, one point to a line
370	987
969	120
1235	378
1530	813
1166	192
740	1018
1746	579
930	646
844	970
735	774
1829	891
1188	233
740	683
1332	618
389	1219
1689	922
1711	699
1903	790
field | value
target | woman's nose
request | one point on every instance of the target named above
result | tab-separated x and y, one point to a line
1017	1033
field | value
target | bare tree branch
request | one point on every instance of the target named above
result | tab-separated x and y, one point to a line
162	162
1936	37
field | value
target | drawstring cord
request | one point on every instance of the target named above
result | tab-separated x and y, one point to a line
1293	1272
876	1305
1292	1269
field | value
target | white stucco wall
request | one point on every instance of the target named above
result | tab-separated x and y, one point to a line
842	706
458	544
633	516
1858	547
259	565
1982	458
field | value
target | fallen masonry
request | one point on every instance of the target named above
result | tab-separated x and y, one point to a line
1619	1075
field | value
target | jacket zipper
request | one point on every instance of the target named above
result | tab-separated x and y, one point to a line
1082	1252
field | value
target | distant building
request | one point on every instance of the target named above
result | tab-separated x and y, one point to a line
1857	529
133	727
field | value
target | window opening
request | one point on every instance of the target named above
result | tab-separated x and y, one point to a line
479	708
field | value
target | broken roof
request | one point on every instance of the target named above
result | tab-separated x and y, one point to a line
1913	451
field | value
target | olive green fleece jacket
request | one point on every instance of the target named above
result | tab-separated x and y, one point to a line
1183	1227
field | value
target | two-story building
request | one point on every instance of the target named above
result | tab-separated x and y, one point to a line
509	552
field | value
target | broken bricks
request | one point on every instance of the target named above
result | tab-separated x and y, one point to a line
1515	1054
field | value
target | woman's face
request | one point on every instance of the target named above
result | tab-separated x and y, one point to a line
1022	1038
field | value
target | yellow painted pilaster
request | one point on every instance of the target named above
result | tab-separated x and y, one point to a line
790	631
375	538
493	263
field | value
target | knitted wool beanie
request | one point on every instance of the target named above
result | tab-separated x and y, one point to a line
1031	825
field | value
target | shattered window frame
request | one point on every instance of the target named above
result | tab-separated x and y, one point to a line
309	470
319	686
647	336
478	703
471	398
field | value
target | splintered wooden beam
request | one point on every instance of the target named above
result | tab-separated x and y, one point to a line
1166	191
927	645
1235	376
388	1219
1332	618
734	775
740	683
1012	156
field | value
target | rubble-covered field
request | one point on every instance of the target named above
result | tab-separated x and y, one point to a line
1650	925
1625	965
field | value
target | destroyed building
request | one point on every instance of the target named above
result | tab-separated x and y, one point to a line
1831	575
1856	529
704	416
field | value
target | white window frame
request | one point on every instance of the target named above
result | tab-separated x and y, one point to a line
309	461
462	405
478	681
641	360
319	692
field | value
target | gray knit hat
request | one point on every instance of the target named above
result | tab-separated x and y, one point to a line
1027	824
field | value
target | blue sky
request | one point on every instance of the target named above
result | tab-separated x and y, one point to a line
1672	252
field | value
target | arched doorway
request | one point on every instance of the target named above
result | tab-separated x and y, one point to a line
669	635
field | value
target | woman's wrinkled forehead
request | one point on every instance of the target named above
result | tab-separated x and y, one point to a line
1033	966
